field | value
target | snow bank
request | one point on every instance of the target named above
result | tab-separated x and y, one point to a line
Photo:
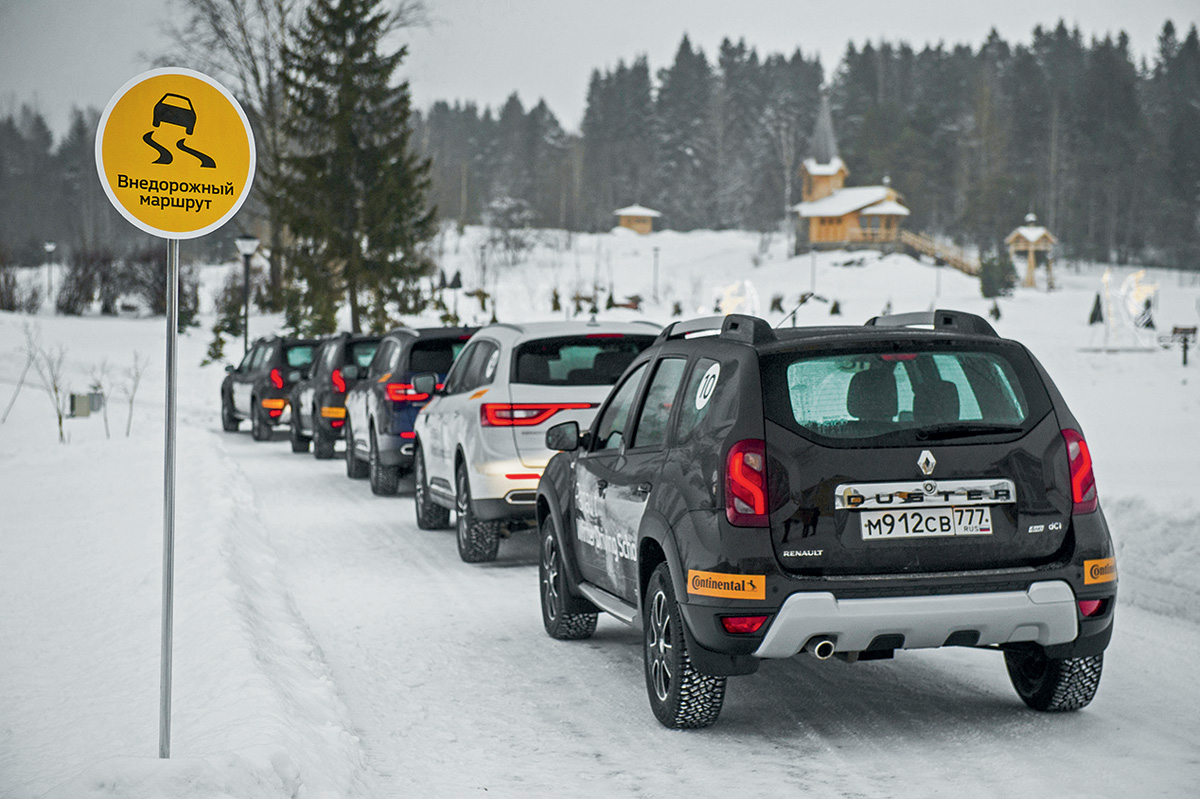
255	713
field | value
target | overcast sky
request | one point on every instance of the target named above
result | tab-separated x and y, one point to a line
57	54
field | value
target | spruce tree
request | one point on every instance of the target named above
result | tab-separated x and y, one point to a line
355	192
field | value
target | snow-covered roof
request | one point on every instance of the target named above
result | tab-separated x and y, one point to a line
636	210
885	208
843	201
829	168
1031	233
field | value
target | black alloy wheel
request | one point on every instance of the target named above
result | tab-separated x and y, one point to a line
478	541
430	515
680	696
554	594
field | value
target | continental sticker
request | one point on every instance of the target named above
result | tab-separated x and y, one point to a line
1099	571
727	586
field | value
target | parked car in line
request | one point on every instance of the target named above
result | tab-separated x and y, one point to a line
258	388
319	401
480	442
748	493
382	407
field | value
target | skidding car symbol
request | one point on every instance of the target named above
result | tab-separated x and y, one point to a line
178	111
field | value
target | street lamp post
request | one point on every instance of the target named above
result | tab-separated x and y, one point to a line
49	247
656	275
247	246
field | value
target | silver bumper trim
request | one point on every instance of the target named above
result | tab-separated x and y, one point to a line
1045	613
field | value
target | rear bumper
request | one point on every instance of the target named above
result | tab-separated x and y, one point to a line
396	451
1045	614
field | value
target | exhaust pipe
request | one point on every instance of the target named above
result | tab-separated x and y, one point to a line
821	648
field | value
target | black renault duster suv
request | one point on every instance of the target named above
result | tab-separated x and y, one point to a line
259	387
749	493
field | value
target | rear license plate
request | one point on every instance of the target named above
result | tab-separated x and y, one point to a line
926	523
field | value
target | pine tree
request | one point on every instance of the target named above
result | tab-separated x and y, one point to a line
685	159
355	198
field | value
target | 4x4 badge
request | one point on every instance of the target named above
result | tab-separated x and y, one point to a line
927	462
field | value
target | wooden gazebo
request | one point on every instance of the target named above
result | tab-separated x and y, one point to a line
637	218
1028	240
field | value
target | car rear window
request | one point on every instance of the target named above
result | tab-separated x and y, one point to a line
435	355
361	352
906	396
596	359
299	355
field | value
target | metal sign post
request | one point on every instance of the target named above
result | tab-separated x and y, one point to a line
168	600
175	155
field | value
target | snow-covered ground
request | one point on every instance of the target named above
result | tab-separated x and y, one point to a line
326	647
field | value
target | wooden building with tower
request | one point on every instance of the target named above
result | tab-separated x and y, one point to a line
831	214
637	218
1035	243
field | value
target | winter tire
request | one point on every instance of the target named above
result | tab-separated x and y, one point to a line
430	515
554	593
322	445
478	541
229	422
384	479
355	469
299	440
1053	684
680	696
260	429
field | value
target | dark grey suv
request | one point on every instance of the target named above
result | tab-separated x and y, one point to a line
748	493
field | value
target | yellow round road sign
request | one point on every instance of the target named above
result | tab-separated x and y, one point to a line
175	153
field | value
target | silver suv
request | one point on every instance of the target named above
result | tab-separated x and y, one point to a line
481	440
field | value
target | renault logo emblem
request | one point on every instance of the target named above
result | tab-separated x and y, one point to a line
927	462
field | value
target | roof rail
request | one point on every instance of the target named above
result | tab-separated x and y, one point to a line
734	327
959	321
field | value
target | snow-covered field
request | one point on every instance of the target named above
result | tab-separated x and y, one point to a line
326	647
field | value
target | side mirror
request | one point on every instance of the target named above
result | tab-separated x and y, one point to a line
230	367
563	437
425	383
350	371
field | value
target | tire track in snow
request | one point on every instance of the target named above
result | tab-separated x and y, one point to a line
321	748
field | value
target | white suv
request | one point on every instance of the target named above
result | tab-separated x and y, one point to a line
481	440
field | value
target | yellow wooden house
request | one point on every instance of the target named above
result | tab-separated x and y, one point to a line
1029	240
637	218
832	215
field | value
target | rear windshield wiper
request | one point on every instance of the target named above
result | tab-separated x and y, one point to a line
959	429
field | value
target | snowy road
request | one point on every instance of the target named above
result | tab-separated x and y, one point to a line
454	690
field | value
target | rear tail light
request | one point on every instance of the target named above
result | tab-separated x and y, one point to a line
524	414
746	484
1083	481
743	624
336	423
276	378
1092	607
404	392
339	382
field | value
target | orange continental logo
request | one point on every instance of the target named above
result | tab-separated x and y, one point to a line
333	413
728	586
1099	571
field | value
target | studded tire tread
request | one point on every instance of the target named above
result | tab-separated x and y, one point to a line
1054	685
